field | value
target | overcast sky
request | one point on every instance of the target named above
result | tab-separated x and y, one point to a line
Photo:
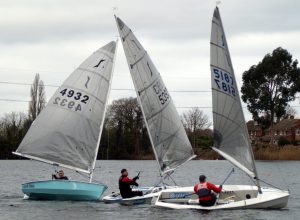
52	37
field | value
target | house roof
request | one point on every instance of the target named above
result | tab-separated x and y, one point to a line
287	124
252	126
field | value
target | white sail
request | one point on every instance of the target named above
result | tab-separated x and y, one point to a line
67	131
167	135
231	138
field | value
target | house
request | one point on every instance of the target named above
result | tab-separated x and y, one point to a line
288	128
255	131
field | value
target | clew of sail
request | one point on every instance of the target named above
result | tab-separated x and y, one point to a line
67	131
167	135
231	138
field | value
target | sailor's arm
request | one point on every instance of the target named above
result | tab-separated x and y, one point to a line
214	187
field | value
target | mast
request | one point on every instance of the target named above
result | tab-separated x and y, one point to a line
231	135
104	114
167	136
144	118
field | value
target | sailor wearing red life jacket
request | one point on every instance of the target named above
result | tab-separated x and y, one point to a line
204	191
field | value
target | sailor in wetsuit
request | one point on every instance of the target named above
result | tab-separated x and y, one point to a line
204	191
125	185
60	176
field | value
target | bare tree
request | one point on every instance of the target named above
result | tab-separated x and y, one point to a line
12	125
194	121
38	98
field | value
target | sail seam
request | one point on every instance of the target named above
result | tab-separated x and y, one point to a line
217	45
156	113
171	135
94	72
123	38
216	23
154	81
131	65
105	53
223	93
227	118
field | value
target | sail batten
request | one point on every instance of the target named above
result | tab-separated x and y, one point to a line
68	129
231	138
166	133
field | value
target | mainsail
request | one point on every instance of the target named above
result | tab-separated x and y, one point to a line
67	131
231	139
167	135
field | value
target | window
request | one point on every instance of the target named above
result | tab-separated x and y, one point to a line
297	131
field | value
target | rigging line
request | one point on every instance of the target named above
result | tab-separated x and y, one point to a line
13	100
182	107
18	100
116	89
87	176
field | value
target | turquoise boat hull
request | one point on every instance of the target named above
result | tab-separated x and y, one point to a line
63	190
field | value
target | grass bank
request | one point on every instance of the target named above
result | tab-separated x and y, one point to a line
288	152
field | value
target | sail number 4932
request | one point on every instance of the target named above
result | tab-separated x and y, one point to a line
224	81
71	99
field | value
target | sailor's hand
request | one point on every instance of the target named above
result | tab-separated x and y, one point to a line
136	184
136	178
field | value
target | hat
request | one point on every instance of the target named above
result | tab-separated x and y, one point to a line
123	170
202	178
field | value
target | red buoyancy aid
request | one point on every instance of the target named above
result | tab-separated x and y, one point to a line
203	191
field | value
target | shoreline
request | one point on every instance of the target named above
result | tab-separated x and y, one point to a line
264	153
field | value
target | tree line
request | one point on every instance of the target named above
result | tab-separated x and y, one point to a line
14	125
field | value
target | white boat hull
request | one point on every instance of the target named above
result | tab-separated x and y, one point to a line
232	197
148	194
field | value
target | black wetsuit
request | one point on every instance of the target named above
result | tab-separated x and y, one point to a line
125	187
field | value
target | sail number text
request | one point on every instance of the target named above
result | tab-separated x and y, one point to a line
71	99
224	81
161	92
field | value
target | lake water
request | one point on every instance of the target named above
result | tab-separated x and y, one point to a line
284	174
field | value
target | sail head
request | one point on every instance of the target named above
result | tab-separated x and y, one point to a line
166	132
67	130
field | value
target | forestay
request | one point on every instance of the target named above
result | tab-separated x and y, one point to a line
231	138
168	137
67	131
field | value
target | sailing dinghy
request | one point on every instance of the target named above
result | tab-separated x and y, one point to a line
67	132
231	140
167	135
